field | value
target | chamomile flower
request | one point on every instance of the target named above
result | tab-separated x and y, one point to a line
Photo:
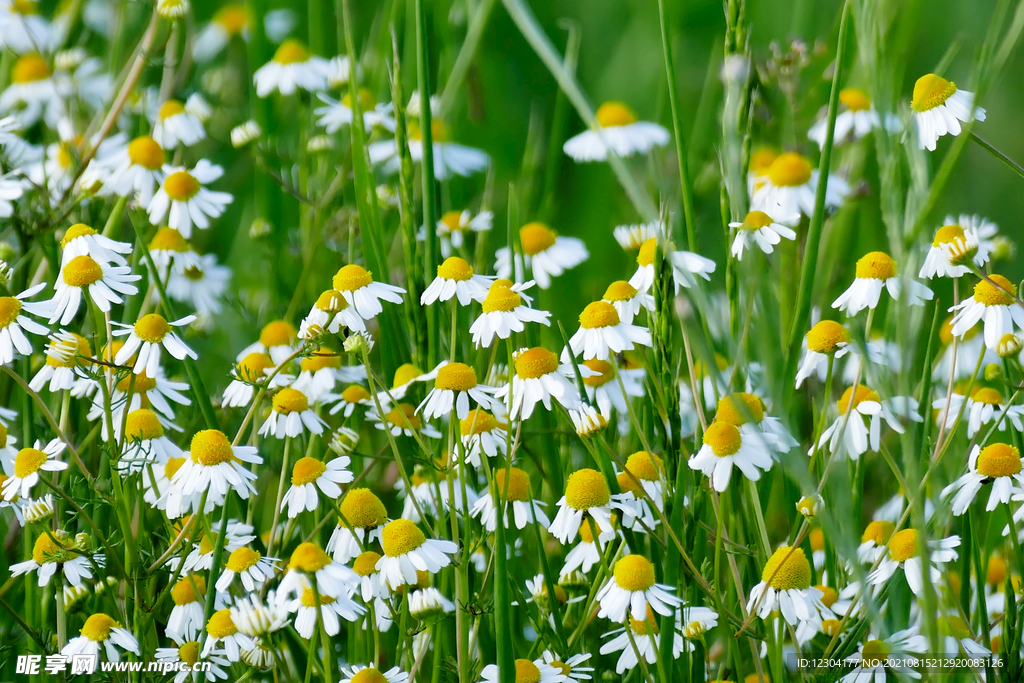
292	67
545	253
407	550
229	21
526	671
454	385
58	550
686	267
32	93
826	338
997	464
790	186
277	339
855	122
331	609
364	519
993	302
175	125
402	420
186	653
102	633
291	415
862	430
80	239
65	353
513	487
330	312
145	442
617	130
250	372
571	666
952	248
627	300
189	596
725	447
642	490
23	473
14	322
450	158
875	657
786	586
587	497
538	379
645	634
335	114
747	412
103	282
357	286
137	169
211	464
332	577
904	552
455	278
877	271
251	568
601	333
310	474
504	312
587	552
257	618
632	590
350	398
632	237
184	200
454	225
874	540
201	286
938	109
482	433
146	337
761	229
320	373
984	407
157	392
369	674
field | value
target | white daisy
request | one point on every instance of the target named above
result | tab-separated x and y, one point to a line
617	130
278	339
330	312
984	407
790	185
292	67
904	552
186	654
221	630
137	169
602	333
545	253
482	433
175	125
101	632
229	21
513	487
201	286
249	373
320	373
862	430
145	442
369	674
686	267
23	472
14	323
504	312
952	248
454	385
407	550
455	278
189	597
763	230
336	114
402	420
632	590
876	657
587	497
32	93
645	633
994	304
58	550
145	338
570	666
826	338
536	671
82	240
939	107
725	446
331	608
291	415
357	286
453	226
786	586
332	577
587	552
211	464
627	300
364	519
450	158
632	237
877	271
184	199
310	474
102	281
538	378
858	119
997	464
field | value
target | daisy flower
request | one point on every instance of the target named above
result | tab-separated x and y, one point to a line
454	225
184	199
686	267
904	552
617	130
189	597
874	541
14	323
858	119
23	473
146	337
332	578
587	553
570	666
321	372
292	67
503	312
201	286
175	125
212	464
230	20
952	248
862	430
537	671
450	158
632	590
331	608
997	464
786	586
158	393
641	486
602	333
249	566
587	496
357	286
406	549
277	339
761	229
290	415
725	447
310	474
402	420
336	115
761	159
32	93
55	550
790	185
938	109
875	658
545	253
994	304
186	652
957	636
256	618
482	432
145	442
455	278
428	605
747	412
877	271
102	281
645	634
138	169
627	300
632	237
364	519
82	240
984	407
252	370
826	338
513	487
330	312
454	385
368	674
101	632
599	381
538	378
352	396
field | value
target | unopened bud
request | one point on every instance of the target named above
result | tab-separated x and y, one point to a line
1009	345
809	505
358	343
344	441
993	372
243	134
1002	249
260	228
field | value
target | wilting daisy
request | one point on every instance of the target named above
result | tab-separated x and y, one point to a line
984	407
862	429
356	284
369	674
538	378
875	658
251	568
145	442
23	473
513	487
331	608
138	168
102	632
189	596
336	114
184	199
229	21
310	474
503	312
856	121
952	249
55	550
212	464
587	496
997	464
32	93
545	253
790	185
761	229
454	385
145	338
994	304
632	237
455	278
939	107
407	550
617	130
292	67
454	225
332	577
364	518
786	586
602	333
904	552
256	618
877	271
641	486
14	323
826	338
536	671
102	282
686	267
290	415
175	125
482	432
201	286
725	447
632	589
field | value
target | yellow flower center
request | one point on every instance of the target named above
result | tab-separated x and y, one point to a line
535	238
903	545
619	290
599	314
243	558
806	505
817	539
724	438
233	18
169	239
452	220
30	68
290	400
307	470
438	130
405	373
362	509
53	546
830	627
152	328
309	598
996	574
990	295
874	653
634	573
518	484
479	422
221	625
876	265
211	447
253	366
535	362
354	393
172	467
826	336
851	399
143	424
319	361
987	396
188	589
27	461
755	220
3	436
455	268
855	99
648	249
588	529
789	170
309	557
9	310
365	99
740	408
180	186
527	671
644	466
97	628
931	91
586	489
605	370
189	652
82	271
331	301
787	569
366	563
143	383
829	595
999	460
171	108
562	667
291	52
400	537
352	277
75	231
947	234
455	377
501	298
145	152
761	159
611	114
404	416
647	627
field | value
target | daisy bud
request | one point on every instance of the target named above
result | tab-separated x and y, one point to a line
1002	249
428	605
1009	345
172	9
320	143
993	373
588	421
68	60
245	133
259	228
344	441
357	343
73	594
809	505
39	510
6	272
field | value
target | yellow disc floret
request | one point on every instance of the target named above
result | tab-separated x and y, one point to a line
874	653
28	461
947	234
10	308
455	377
82	271
181	186
479	422
170	108
501	298
253	367
211	447
599	314
855	99
307	470
648	249
400	537
29	69
518	484
634	573
611	114
221	625
605	372
169	239
352	277
143	424
277	333
535	238
585	489
852	398
309	557
53	546
152	328
291	52
787	569
455	268
403	415
723	438
189	589
755	220
97	628
619	290
535	362
241	559
876	265
999	294
740	408
789	170
362	509
931	91
527	671
145	152
999	460
644	466
827	337
366	563
290	400
903	545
